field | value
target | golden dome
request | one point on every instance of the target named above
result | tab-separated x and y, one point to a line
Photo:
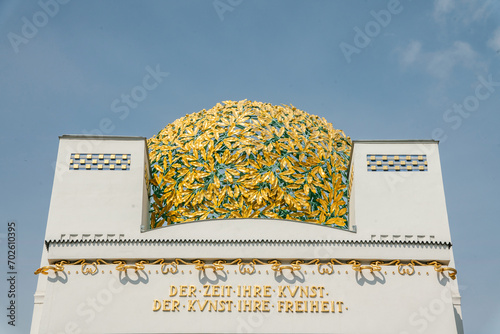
249	159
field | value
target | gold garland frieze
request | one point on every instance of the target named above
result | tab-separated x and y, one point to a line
323	268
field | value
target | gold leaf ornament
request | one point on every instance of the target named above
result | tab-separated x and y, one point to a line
244	159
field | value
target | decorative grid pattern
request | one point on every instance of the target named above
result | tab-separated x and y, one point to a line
96	161
396	163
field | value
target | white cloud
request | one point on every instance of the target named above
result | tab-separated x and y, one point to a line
439	63
478	10
411	53
463	11
494	41
442	7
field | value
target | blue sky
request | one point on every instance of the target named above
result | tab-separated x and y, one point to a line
427	70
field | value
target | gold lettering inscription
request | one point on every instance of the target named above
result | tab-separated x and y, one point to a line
222	306
204	305
302	291
247	304
213	291
191	306
166	305
298	306
256	306
294	299
246	291
281	291
265	306
156	305
314	306
175	305
212	306
206	293
292	293
313	292
256	291
280	305
288	306
340	306
192	291
209	305
311	306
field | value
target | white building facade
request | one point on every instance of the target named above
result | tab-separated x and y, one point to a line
104	270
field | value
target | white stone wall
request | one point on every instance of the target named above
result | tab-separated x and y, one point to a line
99	214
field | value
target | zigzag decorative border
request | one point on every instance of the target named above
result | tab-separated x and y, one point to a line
249	241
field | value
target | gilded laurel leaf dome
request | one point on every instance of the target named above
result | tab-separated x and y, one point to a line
249	159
